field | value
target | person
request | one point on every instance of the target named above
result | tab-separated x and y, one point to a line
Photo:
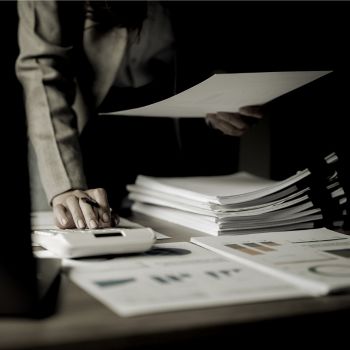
75	60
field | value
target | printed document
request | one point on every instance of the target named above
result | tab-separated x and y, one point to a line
316	260
176	276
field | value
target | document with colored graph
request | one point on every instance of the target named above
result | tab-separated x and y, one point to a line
317	260
177	276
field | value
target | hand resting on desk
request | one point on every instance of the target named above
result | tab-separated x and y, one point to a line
83	209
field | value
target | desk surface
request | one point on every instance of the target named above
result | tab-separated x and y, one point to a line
82	320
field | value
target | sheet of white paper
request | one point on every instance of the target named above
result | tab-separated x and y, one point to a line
317	259
188	278
42	220
226	92
224	189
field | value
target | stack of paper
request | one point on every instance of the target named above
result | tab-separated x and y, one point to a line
243	203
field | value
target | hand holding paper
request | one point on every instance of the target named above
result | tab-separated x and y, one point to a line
235	124
226	92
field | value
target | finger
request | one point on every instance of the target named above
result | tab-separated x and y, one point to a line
88	199
211	118
90	217
100	195
115	218
254	111
234	119
71	223
227	129
72	203
62	219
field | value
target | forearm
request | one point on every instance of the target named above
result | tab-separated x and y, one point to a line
45	70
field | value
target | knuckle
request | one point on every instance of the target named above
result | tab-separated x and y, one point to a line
70	200
99	191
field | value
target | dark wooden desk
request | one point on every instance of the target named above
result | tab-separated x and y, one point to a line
81	322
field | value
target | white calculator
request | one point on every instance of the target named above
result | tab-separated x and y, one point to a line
79	243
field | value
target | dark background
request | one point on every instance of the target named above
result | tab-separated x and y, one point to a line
265	36
18	291
250	36
242	36
230	36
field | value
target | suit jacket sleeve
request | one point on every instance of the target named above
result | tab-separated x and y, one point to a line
45	67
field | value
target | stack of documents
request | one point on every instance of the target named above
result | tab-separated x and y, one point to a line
244	203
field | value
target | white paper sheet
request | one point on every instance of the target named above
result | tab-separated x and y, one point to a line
317	259
189	278
224	189
226	92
